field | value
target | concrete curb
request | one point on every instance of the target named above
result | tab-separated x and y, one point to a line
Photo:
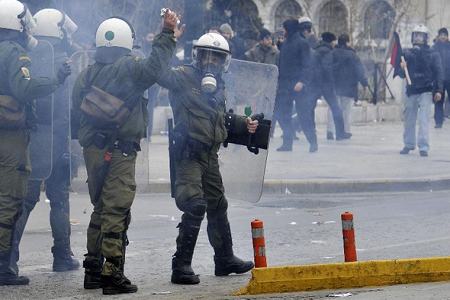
346	275
333	186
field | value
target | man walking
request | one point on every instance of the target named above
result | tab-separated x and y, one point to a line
197	97
293	80
347	71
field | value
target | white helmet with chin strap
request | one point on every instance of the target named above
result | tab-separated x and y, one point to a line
15	15
115	32
53	23
420	34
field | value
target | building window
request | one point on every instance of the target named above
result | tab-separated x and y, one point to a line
378	20
333	18
288	9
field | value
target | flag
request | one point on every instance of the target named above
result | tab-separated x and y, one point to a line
397	53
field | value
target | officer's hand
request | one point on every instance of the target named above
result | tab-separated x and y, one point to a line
252	125
403	64
298	87
179	31
366	89
170	20
64	71
437	97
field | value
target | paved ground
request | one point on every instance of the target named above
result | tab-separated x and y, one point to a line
299	230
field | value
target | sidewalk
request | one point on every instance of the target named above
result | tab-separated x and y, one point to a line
368	162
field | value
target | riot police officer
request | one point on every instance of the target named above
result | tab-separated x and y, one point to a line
197	97
425	68
56	28
124	77
17	91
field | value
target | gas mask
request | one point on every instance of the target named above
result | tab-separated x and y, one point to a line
209	83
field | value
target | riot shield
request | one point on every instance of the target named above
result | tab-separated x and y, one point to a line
248	85
41	133
80	61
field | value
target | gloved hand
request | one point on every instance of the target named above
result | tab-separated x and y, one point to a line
63	71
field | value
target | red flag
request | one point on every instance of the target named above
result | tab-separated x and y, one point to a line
397	52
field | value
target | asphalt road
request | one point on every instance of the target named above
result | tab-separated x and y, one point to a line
299	229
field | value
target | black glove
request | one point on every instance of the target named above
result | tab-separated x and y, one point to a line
63	72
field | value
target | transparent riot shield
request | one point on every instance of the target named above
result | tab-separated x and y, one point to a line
80	61
41	133
253	85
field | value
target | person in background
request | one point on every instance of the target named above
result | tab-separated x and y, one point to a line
236	42
427	77
264	52
348	71
442	46
305	25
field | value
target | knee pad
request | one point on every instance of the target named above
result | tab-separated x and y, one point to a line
197	207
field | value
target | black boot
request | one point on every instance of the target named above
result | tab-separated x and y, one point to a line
93	274
231	264
117	283
182	272
189	228
219	234
62	259
8	276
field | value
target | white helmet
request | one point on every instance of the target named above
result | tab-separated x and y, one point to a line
420	34
53	23
115	32
15	16
208	48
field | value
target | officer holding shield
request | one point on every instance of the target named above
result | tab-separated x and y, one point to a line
197	97
17	91
56	28
116	76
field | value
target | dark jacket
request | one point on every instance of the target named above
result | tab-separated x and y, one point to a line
127	79
443	48
425	70
192	108
295	63
239	48
323	66
348	71
261	55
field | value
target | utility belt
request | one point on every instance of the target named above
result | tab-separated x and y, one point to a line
127	147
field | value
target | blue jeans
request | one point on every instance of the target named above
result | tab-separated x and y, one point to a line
417	106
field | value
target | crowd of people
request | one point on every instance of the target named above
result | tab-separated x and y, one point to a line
110	117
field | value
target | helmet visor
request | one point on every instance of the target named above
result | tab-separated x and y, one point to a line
69	26
419	38
27	19
211	60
